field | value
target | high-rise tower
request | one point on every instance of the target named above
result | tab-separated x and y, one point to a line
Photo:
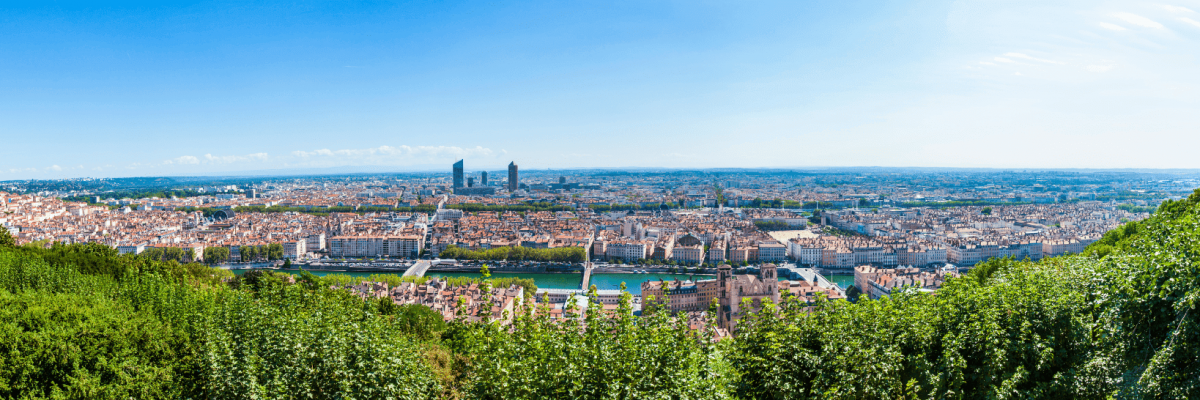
458	174
512	177
483	181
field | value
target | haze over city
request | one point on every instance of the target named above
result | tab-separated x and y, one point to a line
146	89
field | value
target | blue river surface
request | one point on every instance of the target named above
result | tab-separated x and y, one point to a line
633	282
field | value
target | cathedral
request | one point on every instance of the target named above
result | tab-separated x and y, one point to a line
729	290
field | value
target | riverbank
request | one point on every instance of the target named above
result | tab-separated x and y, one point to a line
545	280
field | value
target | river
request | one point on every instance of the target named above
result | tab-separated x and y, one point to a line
843	281
633	282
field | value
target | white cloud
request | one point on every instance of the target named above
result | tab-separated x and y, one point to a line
1138	20
1177	9
55	168
410	151
1190	21
1113	27
209	158
1018	74
1028	57
987	63
1099	68
183	160
1002	59
322	152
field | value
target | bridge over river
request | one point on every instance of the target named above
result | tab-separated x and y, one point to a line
587	276
418	269
422	266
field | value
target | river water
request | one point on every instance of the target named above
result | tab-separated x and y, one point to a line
633	282
843	281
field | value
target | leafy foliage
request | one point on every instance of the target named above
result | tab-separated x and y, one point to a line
415	320
131	327
518	253
853	293
290	342
1013	338
274	251
1115	322
772	225
1135	209
83	346
6	239
216	255
591	355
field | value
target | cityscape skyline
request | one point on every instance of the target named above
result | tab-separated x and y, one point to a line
205	89
715	200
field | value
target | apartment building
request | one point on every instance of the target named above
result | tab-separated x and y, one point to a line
717	252
295	249
693	254
771	252
406	246
628	250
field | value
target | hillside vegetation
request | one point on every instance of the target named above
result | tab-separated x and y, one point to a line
1119	321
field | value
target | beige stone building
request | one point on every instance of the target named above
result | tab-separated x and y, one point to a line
730	290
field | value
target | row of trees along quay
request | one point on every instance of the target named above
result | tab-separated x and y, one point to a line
517	253
217	255
1117	321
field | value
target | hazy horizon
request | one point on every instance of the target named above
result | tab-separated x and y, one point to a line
216	88
437	170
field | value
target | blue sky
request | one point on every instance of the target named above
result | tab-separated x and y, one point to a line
143	89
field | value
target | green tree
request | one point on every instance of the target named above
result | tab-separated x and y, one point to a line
986	211
173	254
154	253
853	293
274	251
6	239
249	253
419	321
597	356
518	253
216	255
